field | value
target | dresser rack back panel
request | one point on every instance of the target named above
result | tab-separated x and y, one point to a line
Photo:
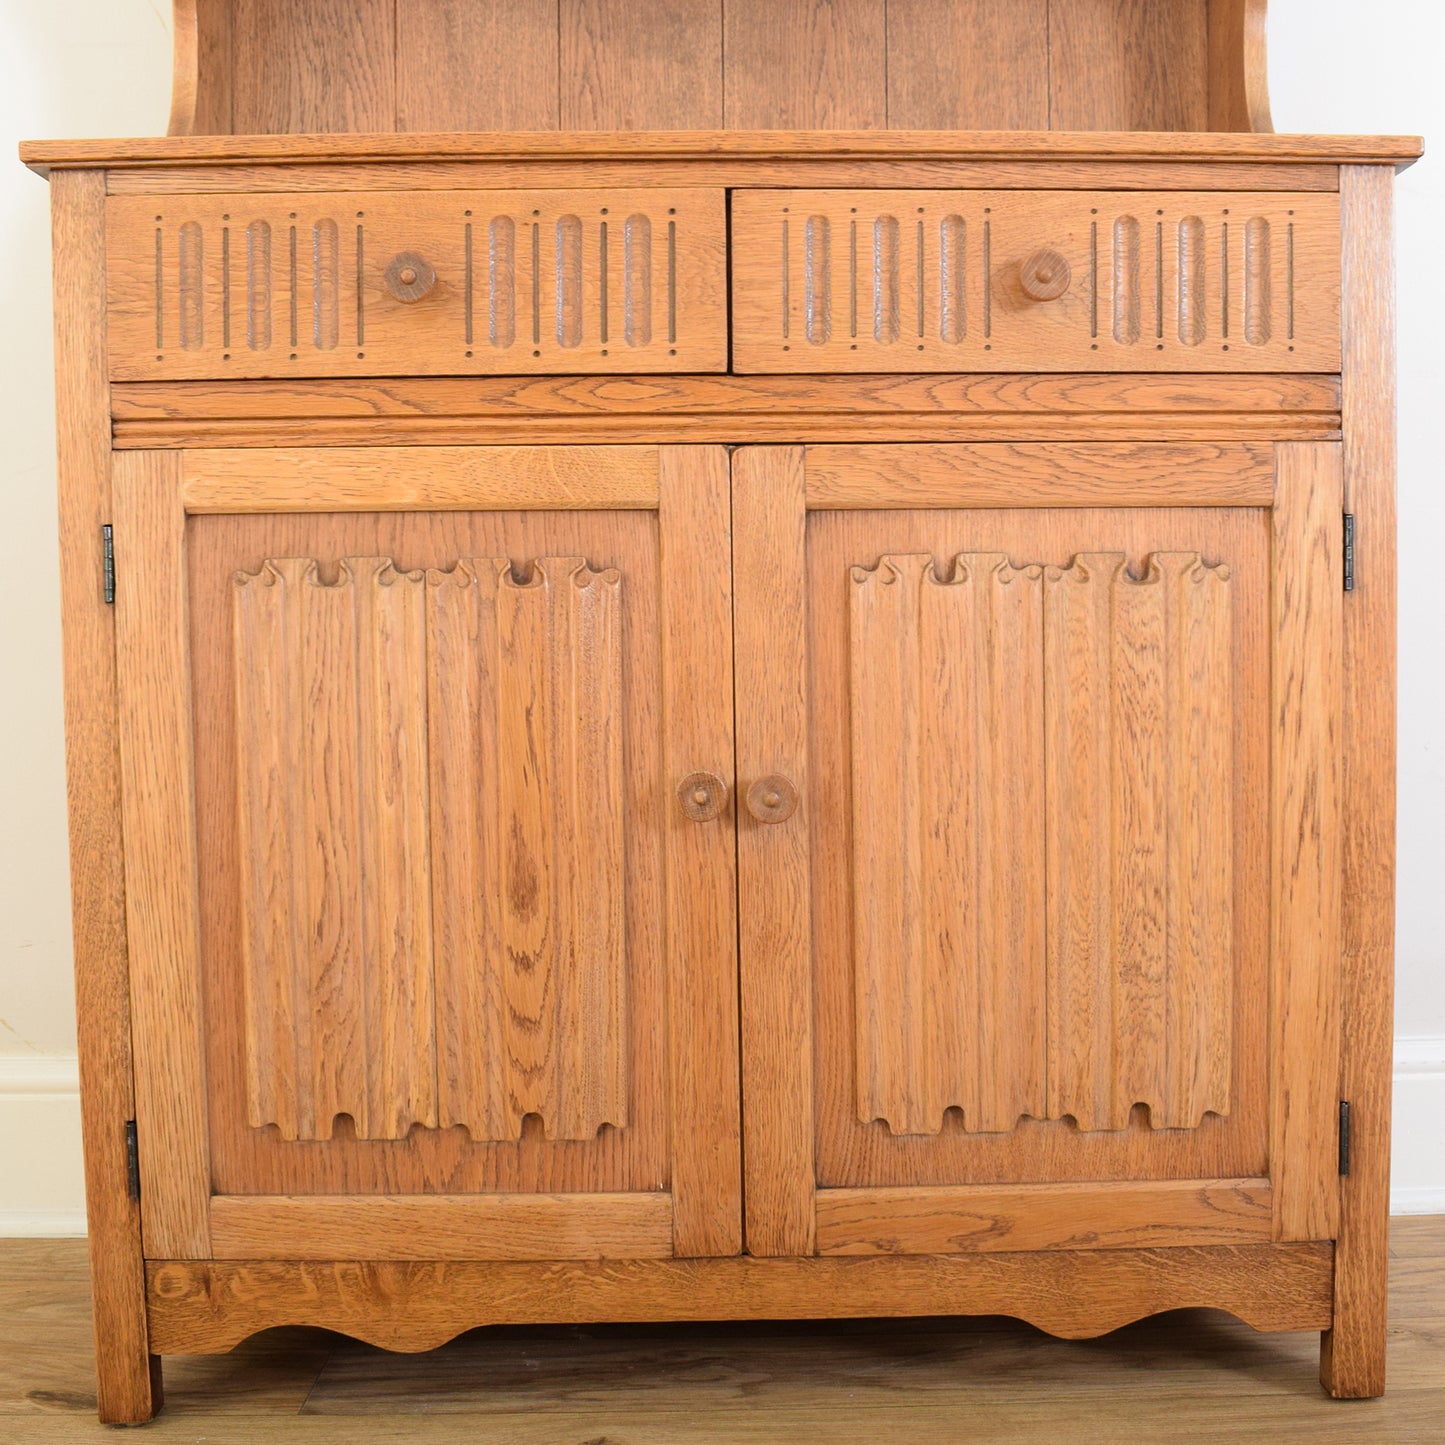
271	67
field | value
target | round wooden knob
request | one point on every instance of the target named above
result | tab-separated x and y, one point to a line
410	277
773	799
1045	276
703	796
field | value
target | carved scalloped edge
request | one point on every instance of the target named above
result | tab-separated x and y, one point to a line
207	1307
1044	1120
890	570
351	571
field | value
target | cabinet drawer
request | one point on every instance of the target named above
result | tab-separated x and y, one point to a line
431	283
1059	281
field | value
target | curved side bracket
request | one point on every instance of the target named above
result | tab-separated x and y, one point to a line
1238	74
201	69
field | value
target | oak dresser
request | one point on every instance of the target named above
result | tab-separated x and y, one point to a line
727	661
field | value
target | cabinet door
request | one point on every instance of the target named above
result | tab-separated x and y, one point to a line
1039	881
433	955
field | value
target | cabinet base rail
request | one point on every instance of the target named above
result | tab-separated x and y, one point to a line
209	1306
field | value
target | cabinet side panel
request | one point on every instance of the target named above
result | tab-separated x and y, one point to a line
128	1388
1353	1362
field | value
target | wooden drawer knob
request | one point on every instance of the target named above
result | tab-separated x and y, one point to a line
703	796
410	277
1045	276
773	799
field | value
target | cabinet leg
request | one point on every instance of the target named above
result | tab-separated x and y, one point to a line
128	1385
1352	1355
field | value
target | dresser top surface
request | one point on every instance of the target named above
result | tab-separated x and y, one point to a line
161	151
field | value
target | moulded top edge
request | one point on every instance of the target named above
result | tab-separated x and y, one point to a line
43	156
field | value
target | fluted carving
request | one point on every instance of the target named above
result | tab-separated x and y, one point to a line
1042	815
429	773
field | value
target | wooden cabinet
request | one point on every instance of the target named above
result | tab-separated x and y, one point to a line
1064	724
425	961
743	725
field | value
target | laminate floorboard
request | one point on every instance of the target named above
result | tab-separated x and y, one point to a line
1193	1375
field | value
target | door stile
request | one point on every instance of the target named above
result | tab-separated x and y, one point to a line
1305	822
769	529
159	820
694	524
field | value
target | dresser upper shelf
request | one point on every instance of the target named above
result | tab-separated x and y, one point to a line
746	148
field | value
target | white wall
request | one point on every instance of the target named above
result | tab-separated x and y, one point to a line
101	67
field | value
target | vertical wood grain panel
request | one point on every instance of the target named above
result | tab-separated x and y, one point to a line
701	856
774	911
127	1377
641	64
331	721
1139	704
968	65
463	65
327	65
947	744
805	65
1128	65
162	914
1352	1361
1238	76
1305	831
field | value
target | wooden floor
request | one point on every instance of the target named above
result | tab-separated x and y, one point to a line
1190	1376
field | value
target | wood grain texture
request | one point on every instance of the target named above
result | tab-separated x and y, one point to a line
462	66
1038	475
772	146
1353	1356
695	523
631	65
431	813
325	66
959	396
801	65
1191	1373
1128	65
529	281
447	1160
946	702
929	280
1138	758
1043	1217
364	479
991	706
1238	73
1306	809
198	1308
775	927
451	1226
128	1378
158	808
969	65
854	1153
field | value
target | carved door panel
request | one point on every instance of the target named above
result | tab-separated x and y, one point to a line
431	957
1045	954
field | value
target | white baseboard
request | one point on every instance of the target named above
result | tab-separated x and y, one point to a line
42	1186
1417	1146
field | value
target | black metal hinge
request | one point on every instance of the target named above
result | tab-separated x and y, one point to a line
107	560
1349	551
132	1159
1344	1137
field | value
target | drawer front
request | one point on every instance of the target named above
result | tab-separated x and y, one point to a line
433	283
827	281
